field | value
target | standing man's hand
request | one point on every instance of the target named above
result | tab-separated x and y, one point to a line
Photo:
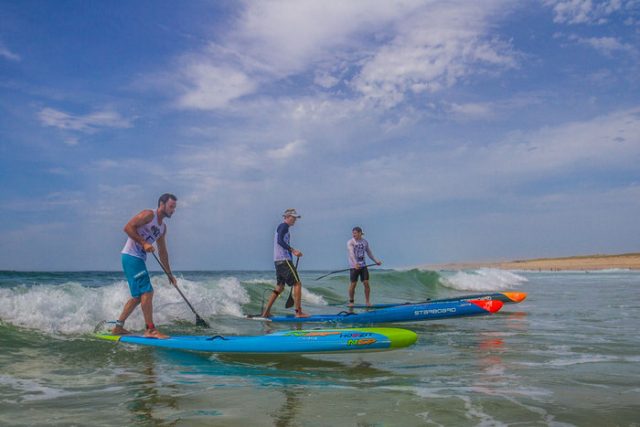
379	262
296	252
173	280
148	247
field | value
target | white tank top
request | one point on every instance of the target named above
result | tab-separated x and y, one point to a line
149	232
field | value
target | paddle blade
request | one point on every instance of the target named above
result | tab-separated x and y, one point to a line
201	322
289	302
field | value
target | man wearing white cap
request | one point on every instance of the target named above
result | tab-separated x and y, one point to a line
286	272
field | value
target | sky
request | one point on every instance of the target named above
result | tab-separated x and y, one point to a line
448	130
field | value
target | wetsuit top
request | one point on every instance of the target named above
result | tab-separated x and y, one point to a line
149	232
281	248
356	249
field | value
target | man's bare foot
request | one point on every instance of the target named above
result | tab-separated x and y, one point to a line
119	330
301	314
154	333
267	314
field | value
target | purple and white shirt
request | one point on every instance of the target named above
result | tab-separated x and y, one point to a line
281	247
356	250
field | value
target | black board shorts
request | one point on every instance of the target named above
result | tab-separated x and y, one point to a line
286	273
362	273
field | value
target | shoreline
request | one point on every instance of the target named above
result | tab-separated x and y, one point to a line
630	261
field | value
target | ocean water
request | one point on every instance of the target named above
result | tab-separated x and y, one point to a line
568	355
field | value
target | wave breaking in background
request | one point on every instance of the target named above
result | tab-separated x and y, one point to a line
483	280
73	303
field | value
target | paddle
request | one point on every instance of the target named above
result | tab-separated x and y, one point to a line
340	271
289	302
199	320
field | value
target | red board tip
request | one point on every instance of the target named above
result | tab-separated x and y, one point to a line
490	305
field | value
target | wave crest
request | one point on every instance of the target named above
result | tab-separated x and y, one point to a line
484	279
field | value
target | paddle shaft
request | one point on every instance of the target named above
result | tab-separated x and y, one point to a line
199	320
290	301
346	269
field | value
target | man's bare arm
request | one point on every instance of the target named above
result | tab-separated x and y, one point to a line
164	256
144	217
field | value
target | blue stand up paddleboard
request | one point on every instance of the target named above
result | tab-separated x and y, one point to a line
505	297
304	341
400	313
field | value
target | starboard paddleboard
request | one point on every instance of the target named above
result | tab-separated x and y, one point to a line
401	313
505	297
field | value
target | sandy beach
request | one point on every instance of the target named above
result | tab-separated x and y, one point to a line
582	262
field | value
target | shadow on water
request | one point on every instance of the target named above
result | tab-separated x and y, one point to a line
149	394
286	414
163	373
271	370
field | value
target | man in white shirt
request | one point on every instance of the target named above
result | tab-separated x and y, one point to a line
357	247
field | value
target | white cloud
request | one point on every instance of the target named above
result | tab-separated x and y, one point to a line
472	110
384	50
609	141
433	50
325	80
49	202
287	151
344	153
71	140
214	86
7	54
586	11
606	45
291	35
276	39
83	123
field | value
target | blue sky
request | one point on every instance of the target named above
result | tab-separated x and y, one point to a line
448	130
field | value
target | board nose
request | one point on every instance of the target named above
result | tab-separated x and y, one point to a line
403	338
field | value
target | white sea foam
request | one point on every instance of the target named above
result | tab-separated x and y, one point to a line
485	279
71	308
308	296
265	282
312	298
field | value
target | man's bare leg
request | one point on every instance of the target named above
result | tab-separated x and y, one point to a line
126	312
352	292
367	292
147	311
274	296
297	298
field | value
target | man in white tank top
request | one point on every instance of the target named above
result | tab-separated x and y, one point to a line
357	247
143	230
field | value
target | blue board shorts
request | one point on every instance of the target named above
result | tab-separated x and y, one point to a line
137	275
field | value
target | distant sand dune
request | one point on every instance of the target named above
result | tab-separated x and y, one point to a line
582	262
